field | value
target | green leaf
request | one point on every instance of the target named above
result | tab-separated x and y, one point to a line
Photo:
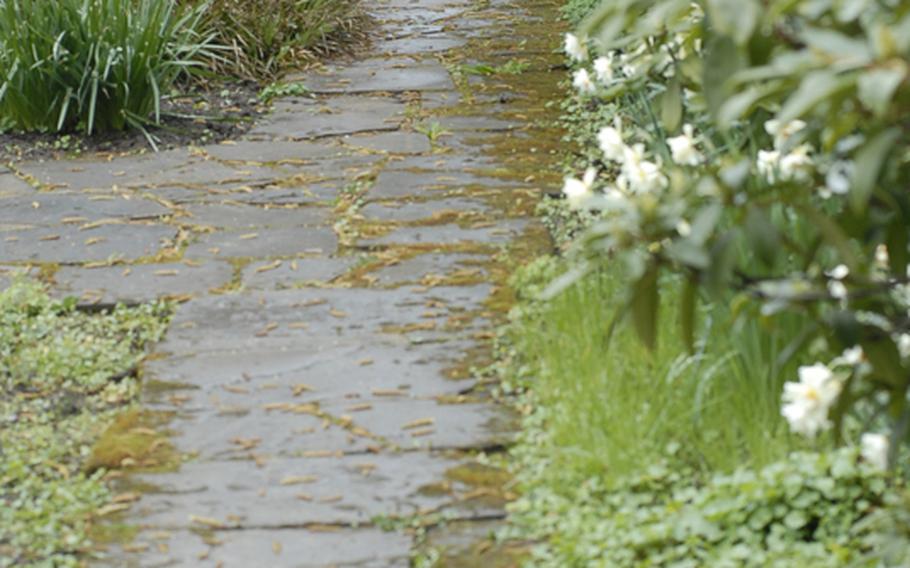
876	87
869	161
736	19
723	60
687	305
762	236
688	253
671	107
645	303
740	104
816	87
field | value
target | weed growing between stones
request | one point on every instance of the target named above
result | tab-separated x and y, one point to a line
65	377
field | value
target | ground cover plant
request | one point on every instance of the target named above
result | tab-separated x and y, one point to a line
64	378
732	306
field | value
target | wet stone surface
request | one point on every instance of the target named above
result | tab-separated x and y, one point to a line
338	273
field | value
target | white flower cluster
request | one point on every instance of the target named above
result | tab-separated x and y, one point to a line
785	162
807	403
637	174
604	68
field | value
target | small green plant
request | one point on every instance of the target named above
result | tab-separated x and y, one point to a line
64	377
432	130
92	65
277	90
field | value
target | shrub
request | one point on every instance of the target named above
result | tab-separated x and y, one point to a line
756	150
91	65
264	38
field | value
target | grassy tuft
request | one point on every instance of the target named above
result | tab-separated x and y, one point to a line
91	65
261	40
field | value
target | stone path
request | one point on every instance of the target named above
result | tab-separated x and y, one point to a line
340	270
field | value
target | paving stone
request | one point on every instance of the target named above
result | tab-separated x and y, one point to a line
50	208
498	233
391	142
408	211
236	321
264	243
308	118
70	245
237	216
12	186
415	269
382	75
419	44
286	548
142	282
288	274
347	489
271	150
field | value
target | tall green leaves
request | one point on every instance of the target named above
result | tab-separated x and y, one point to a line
92	65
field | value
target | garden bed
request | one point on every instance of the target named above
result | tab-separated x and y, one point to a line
221	111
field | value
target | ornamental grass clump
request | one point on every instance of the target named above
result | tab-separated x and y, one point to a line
92	65
261	40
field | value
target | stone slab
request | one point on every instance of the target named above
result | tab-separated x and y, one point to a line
285	548
140	283
242	493
308	118
70	245
391	142
298	272
263	243
239	216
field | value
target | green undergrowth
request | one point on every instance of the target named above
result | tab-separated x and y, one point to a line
64	377
634	458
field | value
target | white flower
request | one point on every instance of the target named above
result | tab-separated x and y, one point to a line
807	402
611	142
579	191
796	164
582	81
783	133
839	272
874	449
603	68
882	259
852	356
575	48
683	228
903	345
837	289
641	175
767	164
683	148
837	180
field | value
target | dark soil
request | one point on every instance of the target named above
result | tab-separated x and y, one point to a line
204	114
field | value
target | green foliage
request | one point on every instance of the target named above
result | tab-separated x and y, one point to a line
802	511
610	411
786	191
57	394
277	90
263	39
91	65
